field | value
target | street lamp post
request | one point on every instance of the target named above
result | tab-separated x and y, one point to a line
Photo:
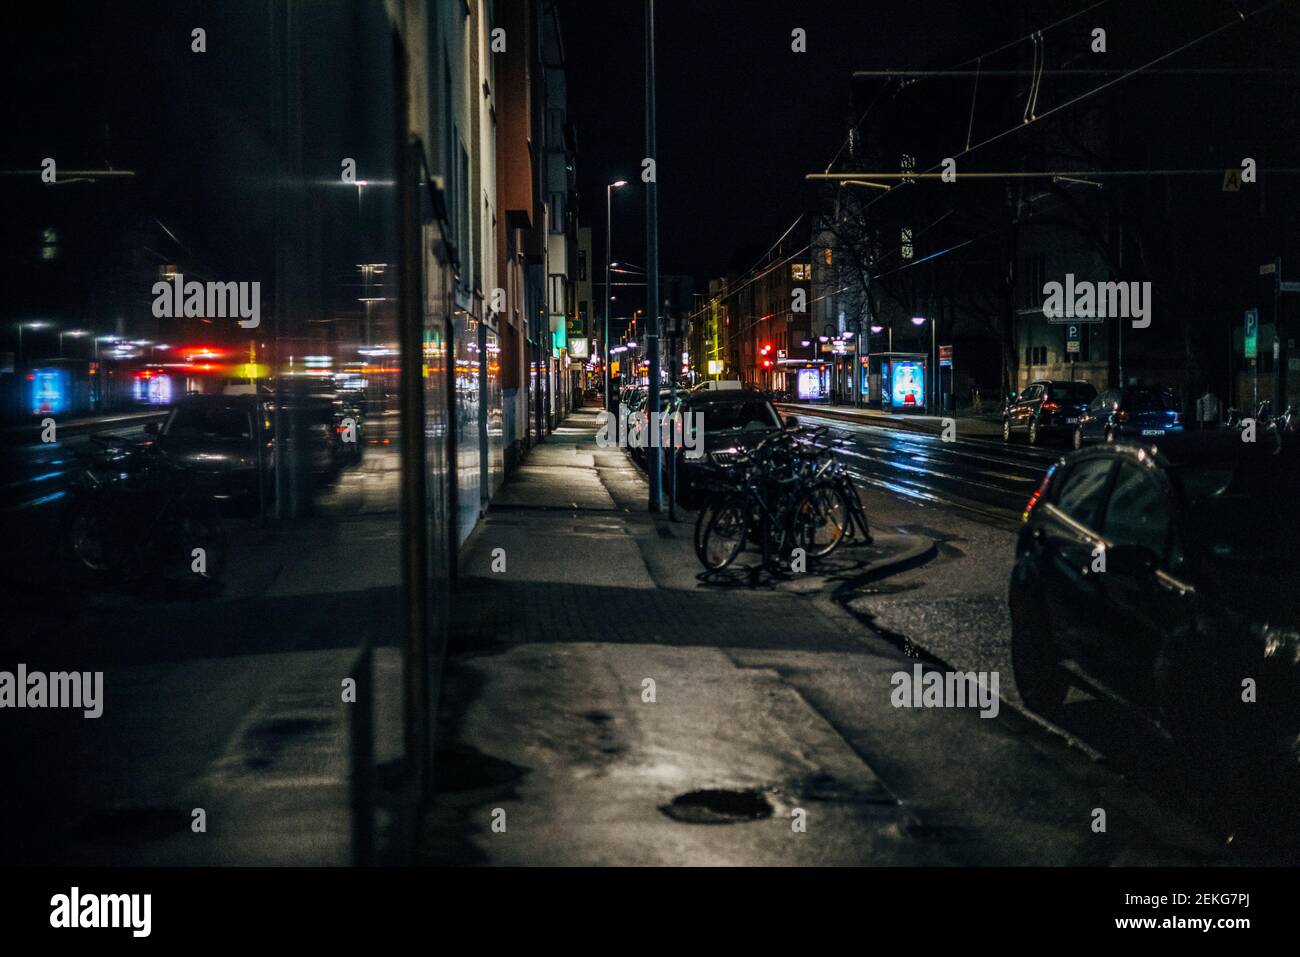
75	333
609	223
934	358
653	308
28	325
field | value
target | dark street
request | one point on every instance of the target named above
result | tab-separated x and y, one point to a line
912	483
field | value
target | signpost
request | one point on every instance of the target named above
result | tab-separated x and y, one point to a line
1251	343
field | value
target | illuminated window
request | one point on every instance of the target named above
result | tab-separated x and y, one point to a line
801	272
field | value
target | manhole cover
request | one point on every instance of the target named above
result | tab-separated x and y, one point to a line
718	806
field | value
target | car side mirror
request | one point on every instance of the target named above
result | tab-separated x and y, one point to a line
791	422
151	428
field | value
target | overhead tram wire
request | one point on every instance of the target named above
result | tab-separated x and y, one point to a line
978	57
744	278
1127	74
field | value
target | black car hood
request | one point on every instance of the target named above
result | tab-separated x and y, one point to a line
209	451
740	440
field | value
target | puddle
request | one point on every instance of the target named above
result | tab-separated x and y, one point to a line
718	806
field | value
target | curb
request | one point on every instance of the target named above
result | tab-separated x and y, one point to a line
842	595
920	550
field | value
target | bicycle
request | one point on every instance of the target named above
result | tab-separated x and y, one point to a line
789	492
130	516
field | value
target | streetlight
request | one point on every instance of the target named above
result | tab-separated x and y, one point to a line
653	304
934	357
75	333
29	325
609	225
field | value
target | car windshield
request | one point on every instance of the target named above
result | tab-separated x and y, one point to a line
1245	518
752	415
1146	400
209	419
1076	392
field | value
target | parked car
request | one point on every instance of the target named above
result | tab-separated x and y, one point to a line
1137	413
1047	408
1164	575
719	385
349	417
218	435
639	454
734	420
215	435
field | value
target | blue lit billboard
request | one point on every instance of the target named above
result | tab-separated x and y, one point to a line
907	385
50	391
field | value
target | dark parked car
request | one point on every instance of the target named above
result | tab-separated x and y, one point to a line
734	420
665	407
1137	413
217	435
1164	574
1047	408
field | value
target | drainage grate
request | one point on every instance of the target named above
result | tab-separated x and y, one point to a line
717	806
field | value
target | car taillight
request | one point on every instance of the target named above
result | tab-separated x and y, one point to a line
1038	494
1051	407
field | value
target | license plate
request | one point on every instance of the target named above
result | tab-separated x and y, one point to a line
1153	431
1071	421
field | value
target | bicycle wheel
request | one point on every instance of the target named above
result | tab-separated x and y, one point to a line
90	539
820	520
724	535
859	514
702	523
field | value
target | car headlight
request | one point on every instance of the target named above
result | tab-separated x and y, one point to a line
724	457
1282	643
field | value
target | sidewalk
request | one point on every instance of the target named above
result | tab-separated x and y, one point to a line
601	702
229	703
984	425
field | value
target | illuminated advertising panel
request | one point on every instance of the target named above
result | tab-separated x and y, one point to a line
907	390
50	390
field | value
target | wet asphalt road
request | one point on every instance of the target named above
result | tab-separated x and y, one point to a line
984	478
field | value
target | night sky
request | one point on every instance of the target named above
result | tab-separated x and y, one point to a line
741	117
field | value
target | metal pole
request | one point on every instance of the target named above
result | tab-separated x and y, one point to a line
419	663
652	264
1279	355
674	362
934	357
609	220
